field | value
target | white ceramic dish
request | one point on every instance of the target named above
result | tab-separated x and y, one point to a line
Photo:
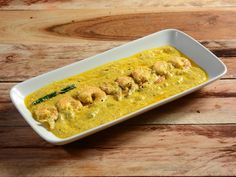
186	44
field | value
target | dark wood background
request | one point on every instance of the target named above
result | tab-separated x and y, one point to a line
195	135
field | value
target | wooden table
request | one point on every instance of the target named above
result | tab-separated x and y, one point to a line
195	135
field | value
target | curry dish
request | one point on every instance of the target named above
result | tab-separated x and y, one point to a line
108	92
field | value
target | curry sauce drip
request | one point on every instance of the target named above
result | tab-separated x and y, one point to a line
113	90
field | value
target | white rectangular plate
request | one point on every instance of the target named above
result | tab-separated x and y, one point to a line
186	44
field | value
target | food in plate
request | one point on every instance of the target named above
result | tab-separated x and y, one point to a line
108	92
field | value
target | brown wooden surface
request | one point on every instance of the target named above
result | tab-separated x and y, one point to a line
192	136
101	4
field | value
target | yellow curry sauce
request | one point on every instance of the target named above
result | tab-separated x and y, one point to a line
139	80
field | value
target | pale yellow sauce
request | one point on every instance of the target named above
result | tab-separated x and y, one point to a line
93	115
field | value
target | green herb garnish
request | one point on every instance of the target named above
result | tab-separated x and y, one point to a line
53	94
66	89
44	98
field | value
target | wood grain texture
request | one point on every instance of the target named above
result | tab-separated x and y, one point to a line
221	48
212	104
97	24
17	69
142	24
137	150
19	62
183	111
192	136
221	88
73	4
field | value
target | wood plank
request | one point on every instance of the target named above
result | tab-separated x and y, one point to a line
193	109
20	61
25	137
212	97
18	69
137	150
20	137
221	48
65	51
73	4
231	66
220	88
112	24
186	110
